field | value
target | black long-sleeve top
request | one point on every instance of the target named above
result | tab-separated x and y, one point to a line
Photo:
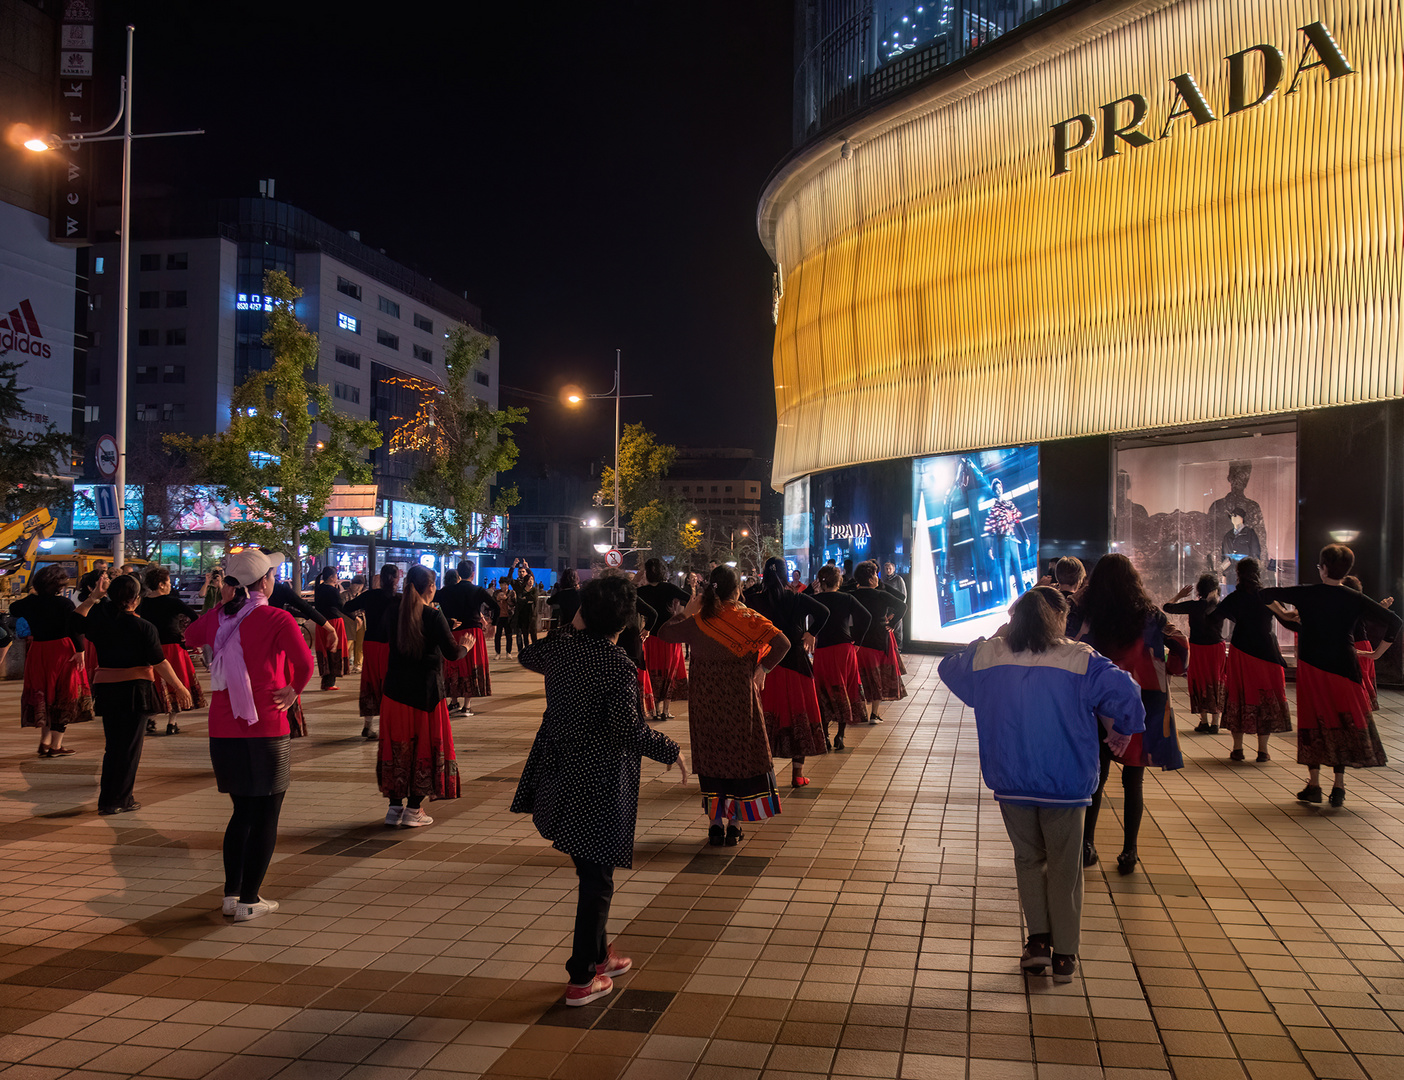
50	618
795	615
418	681
1253	631
374	603
165	613
1204	628
122	639
464	602
283	597
327	599
567	601
882	606
631	637
1329	614
660	595
848	620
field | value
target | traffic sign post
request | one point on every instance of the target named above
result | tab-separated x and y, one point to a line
614	558
106	457
105	495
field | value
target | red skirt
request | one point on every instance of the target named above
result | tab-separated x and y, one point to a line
1208	677
185	672
55	688
1367	673
416	753
479	680
456	671
792	719
375	656
297	719
838	685
881	672
666	668
333	649
646	702
1334	722
1256	695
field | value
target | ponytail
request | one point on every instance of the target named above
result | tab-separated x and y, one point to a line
241	597
722	585
411	625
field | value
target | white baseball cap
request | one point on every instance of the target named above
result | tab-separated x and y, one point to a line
249	566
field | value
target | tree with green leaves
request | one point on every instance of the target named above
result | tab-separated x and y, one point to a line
665	526
268	460
463	445
35	456
643	462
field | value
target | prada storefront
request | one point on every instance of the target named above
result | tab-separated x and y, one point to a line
1102	277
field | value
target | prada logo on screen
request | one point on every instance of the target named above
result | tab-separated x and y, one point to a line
1254	76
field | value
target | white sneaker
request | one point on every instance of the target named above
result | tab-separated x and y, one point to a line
394	814
245	912
414	819
230	904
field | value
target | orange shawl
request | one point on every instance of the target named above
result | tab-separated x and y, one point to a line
739	630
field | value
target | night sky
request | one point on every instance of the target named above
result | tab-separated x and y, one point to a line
587	173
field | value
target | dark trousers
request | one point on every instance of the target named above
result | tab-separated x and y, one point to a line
1132	780
504	629
249	840
591	945
124	735
526	635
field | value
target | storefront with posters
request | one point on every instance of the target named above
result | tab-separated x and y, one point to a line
404	541
1133	273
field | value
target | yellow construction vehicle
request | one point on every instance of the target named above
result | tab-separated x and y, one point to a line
25	535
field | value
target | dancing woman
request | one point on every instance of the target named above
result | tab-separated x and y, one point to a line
791	705
836	677
1256	690
260	663
733	650
1333	709
667	669
373	604
56	691
333	644
1208	662
170	615
1366	640
417	760
1123	624
879	663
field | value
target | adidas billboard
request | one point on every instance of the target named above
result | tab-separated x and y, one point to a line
20	331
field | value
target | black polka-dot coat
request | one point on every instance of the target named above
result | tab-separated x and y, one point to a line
581	780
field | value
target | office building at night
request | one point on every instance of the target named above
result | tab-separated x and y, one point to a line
1069	278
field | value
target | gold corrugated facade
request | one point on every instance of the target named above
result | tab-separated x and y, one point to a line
943	291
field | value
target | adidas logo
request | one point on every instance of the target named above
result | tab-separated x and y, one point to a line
20	331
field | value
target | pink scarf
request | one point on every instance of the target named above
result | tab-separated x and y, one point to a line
228	671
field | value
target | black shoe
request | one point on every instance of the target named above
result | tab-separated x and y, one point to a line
1126	863
733	834
367	732
1089	854
1202	727
1263	756
1337	797
1064	967
1213	729
1038	953
716	836
126	807
151	727
1310	794
1236	755
172	728
838	743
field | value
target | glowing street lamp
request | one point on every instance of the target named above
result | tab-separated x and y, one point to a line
574	396
372	524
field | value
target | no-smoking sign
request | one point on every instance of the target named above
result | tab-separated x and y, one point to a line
614	557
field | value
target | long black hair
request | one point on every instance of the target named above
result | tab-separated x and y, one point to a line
1115	604
1249	575
418	582
389	577
1037	620
773	584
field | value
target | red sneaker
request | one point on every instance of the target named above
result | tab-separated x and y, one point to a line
614	965
598	987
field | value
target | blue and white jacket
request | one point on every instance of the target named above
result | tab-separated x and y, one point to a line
1039	716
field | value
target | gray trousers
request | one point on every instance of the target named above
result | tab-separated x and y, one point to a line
1048	866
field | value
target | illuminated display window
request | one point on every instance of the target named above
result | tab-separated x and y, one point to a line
348	322
253	302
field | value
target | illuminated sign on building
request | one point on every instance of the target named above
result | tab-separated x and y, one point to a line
857	531
253	302
348	322
1123	119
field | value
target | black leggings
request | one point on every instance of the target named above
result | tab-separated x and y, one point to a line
1133	806
249	840
503	628
414	801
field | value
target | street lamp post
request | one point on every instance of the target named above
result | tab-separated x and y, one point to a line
616	392
72	142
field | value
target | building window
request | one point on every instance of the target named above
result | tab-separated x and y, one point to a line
728	490
151	262
350	288
175	337
685	489
481	377
148	300
349	358
714	489
174	373
729	501
421	353
390	341
173	412
144	374
148	337
348	322
389	306
175	298
421	323
146	412
343	392
91	414
177	260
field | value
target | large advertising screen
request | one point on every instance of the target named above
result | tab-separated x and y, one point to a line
974	540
